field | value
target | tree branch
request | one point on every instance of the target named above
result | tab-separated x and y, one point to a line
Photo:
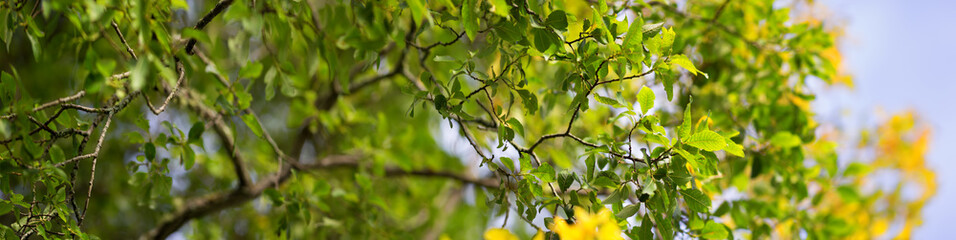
222	200
222	129
220	6
60	101
123	40
179	82
110	112
96	151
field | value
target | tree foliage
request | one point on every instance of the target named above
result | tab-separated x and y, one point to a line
425	119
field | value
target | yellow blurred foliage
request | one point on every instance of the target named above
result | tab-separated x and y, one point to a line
601	225
900	147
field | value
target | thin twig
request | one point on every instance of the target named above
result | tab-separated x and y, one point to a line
96	151
59	101
123	40
179	83
220	6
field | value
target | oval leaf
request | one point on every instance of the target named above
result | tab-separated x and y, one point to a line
706	140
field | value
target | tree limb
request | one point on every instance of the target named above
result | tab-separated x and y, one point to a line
123	40
192	101
220	6
60	101
222	200
179	83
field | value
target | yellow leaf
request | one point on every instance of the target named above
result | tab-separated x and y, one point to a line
499	234
539	235
181	4
601	225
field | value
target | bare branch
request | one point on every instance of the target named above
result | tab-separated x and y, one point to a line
96	151
624	78
179	82
120	75
60	101
220	6
123	40
471	140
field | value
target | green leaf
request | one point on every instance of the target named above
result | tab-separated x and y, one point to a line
192	33
696	200
508	31
565	179
195	132
269	79
544	172
602	6
848	193
856	169
469	18
653	45
545	40
161	36
251	70
651	27
617	196
733	148
500	7
516	125
669	86
529	100
150	151
189	157
679	173
274	196
634	35
686	127
56	155
441	102
179	4
139	74
650	186
244	99
444	58
628	211
34	45
713	230
645	232
682	61
608	101
5	207
646	98
664	226
509	163
785	140
667	38
707	140
658	138
106	66
525	163
557	20
253	124
418	10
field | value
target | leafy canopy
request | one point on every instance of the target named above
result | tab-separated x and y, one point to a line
421	119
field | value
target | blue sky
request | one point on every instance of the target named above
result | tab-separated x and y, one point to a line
902	55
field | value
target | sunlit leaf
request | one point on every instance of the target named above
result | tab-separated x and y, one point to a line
645	97
706	140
